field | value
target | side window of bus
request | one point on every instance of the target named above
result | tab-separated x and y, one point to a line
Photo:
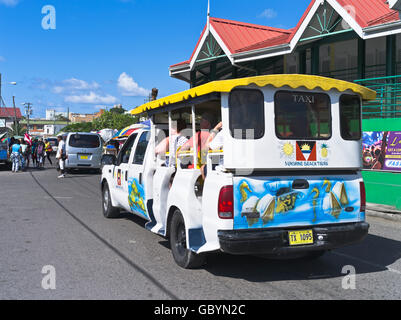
141	148
125	153
247	114
350	117
302	115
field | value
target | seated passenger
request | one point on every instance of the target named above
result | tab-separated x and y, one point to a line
177	141
214	142
201	136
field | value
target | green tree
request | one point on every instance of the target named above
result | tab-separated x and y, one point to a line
112	120
108	120
119	110
17	130
79	127
60	117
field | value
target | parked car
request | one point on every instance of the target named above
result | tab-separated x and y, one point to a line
84	151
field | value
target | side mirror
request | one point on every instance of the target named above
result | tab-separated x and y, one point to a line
109	159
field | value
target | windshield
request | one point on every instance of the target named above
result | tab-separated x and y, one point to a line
350	117
302	115
84	141
53	142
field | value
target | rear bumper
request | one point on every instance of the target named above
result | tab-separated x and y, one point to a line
80	165
275	241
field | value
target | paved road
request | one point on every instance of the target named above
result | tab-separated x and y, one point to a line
45	221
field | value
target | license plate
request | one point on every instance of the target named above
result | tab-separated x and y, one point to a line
298	238
84	157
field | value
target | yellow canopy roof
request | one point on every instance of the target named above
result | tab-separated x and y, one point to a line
278	80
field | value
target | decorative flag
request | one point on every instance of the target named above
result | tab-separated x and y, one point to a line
28	139
306	151
3	137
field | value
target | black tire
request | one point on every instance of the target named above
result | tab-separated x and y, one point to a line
184	257
109	211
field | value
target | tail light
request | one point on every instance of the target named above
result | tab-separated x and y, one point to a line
226	203
363	196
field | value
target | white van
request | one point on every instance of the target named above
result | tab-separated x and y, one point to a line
84	151
286	181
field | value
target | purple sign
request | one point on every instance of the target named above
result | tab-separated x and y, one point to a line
393	152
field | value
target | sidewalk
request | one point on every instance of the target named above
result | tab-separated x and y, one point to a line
383	211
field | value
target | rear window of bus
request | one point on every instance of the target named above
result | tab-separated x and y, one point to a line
350	117
302	115
247	114
84	141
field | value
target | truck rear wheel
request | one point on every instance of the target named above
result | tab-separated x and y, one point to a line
109	211
184	257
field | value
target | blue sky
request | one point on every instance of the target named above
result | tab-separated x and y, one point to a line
106	52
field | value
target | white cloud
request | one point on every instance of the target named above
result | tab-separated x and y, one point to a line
268	14
91	98
130	88
74	84
2	59
9	3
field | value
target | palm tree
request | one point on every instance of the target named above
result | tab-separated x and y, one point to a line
17	130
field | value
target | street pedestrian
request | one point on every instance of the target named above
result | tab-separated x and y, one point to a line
40	154
28	155
34	155
48	151
16	152
61	156
24	147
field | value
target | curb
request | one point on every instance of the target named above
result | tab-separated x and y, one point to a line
383	215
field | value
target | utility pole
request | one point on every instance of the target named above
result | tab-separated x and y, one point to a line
28	112
1	97
16	127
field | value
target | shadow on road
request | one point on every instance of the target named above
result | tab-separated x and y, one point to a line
372	255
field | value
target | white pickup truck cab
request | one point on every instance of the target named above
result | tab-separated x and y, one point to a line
286	180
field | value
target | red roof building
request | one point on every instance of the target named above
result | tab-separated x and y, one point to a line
229	49
9	113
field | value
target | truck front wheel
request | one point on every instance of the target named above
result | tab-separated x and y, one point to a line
109	211
184	257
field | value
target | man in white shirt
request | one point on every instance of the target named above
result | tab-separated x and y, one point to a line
61	156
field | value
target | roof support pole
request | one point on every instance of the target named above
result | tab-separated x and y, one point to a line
302	61
361	58
193	79
391	70
213	67
170	145
390	55
315	59
234	73
195	140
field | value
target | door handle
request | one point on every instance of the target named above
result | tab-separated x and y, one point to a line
140	178
300	184
126	175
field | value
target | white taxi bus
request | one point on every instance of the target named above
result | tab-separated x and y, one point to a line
284	179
